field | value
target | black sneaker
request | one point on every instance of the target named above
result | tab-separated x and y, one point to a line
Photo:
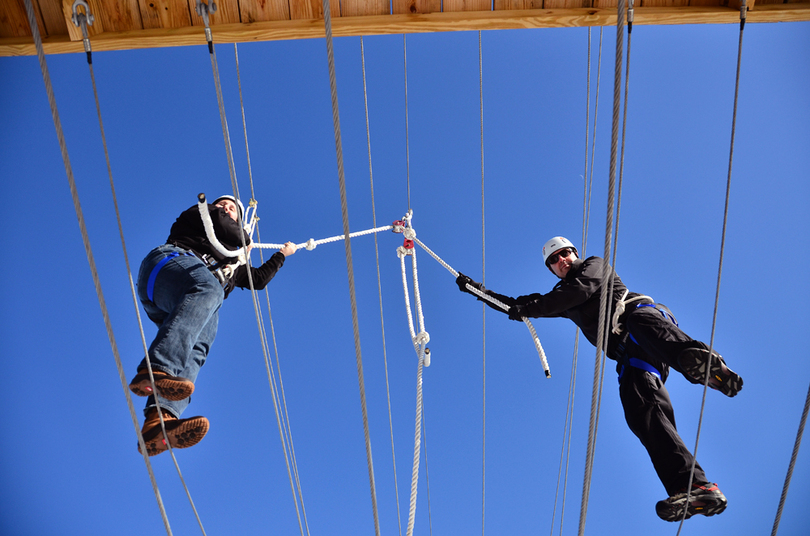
705	499
693	362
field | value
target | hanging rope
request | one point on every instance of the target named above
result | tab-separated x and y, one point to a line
379	287
743	10
327	16
602	331
793	457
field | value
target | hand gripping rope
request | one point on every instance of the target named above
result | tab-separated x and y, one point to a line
404	226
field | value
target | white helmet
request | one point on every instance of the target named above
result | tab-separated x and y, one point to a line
555	244
238	203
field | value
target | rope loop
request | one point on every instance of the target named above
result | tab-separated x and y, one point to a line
409	233
423	337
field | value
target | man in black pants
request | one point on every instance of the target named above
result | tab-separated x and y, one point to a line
646	342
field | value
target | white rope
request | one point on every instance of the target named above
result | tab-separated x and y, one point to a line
538	346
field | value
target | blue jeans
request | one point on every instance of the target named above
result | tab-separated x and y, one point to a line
183	299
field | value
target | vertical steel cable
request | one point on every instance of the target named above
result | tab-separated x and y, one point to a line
407	147
720	267
483	305
32	21
606	271
595	117
327	16
276	391
379	286
793	457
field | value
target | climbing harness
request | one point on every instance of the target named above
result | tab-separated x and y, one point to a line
150	284
620	310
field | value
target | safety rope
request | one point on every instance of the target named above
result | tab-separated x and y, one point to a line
743	10
327	16
793	457
539	347
379	287
483	306
276	387
420	341
602	332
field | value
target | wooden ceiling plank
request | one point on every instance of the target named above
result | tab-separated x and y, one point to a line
53	17
398	24
412	7
261	10
118	16
508	5
13	21
164	14
450	6
74	31
357	8
312	9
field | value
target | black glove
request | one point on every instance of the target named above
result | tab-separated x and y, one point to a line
517	312
462	281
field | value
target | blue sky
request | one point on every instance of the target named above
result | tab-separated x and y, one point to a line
67	439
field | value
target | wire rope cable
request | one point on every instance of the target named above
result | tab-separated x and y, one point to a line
85	237
595	117
276	386
407	146
483	305
720	264
379	287
602	332
793	457
347	242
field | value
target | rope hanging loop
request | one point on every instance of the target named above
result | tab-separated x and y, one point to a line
211	234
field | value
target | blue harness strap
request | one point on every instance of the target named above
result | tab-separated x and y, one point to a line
150	284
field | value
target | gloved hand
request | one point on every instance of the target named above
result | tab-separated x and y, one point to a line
517	312
462	281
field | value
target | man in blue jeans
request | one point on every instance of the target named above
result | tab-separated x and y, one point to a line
181	285
646	343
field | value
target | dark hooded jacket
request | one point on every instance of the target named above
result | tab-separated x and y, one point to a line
188	232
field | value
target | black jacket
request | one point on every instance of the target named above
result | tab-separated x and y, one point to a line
575	297
188	233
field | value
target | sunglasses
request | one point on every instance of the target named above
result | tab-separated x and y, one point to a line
562	253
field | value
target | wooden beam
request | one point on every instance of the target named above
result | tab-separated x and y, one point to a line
406	23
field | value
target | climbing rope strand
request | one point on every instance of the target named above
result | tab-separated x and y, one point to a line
417	443
793	457
88	251
538	346
720	264
348	246
606	272
379	288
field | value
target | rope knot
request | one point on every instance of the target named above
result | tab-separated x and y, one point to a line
310	244
409	234
422	338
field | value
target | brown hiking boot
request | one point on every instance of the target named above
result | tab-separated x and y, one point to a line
169	387
182	433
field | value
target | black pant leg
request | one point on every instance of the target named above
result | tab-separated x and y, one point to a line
649	414
660	340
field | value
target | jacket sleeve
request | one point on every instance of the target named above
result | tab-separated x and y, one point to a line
566	294
261	275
